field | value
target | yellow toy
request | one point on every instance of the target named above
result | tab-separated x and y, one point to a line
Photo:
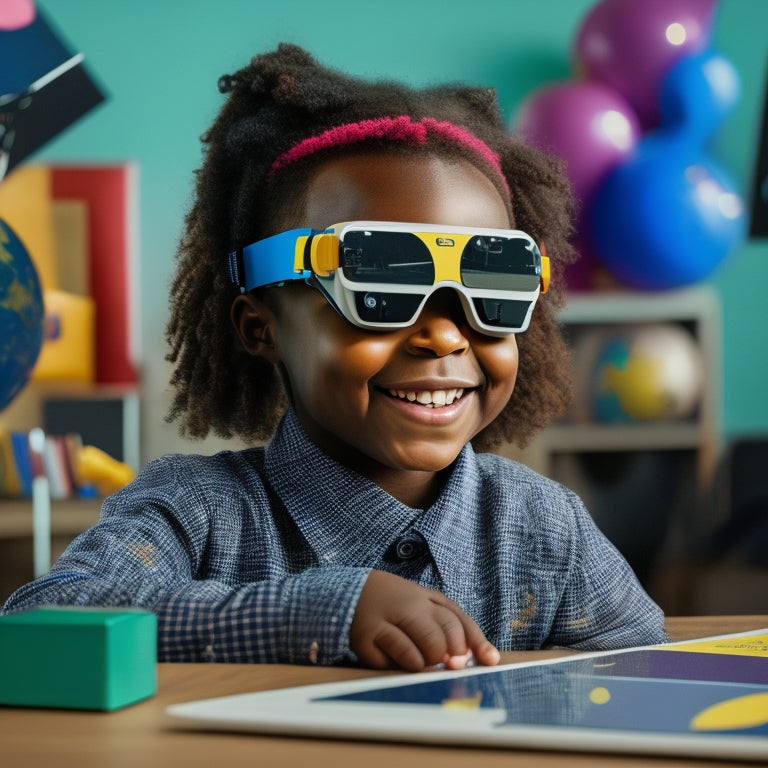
95	467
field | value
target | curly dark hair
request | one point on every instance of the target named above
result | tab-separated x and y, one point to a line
279	99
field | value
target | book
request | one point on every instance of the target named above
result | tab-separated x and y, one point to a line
23	461
108	191
10	482
26	206
71	247
55	463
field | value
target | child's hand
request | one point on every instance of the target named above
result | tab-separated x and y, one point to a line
401	624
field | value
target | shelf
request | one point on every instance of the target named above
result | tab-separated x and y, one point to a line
624	437
584	318
611	307
68	518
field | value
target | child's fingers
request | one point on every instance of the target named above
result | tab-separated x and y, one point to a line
401	623
474	643
392	646
459	662
486	653
437	632
423	638
445	634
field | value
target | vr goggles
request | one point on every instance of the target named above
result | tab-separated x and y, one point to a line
379	275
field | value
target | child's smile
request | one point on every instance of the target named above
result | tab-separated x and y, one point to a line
434	403
438	398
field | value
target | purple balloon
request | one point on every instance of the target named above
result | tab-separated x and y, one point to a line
589	125
631	44
593	129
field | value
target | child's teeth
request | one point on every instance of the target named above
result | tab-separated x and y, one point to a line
432	399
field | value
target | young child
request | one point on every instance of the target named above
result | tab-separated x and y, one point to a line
368	529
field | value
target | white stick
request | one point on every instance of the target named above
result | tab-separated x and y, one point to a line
41	508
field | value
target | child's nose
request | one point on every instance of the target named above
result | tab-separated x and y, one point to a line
440	329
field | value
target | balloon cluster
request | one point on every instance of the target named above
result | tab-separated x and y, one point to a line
656	211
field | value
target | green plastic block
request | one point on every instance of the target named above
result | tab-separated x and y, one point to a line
78	658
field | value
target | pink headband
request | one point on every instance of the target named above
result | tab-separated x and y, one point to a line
394	128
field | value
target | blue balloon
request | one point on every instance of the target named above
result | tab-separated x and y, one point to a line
665	218
21	315
668	215
696	96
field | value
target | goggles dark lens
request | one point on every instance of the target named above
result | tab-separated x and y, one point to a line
501	313
500	263
387	307
398	258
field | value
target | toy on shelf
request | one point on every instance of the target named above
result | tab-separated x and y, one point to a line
96	467
71	469
642	373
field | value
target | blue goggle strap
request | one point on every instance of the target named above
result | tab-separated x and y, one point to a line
268	261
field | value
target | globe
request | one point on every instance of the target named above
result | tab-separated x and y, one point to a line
646	372
21	315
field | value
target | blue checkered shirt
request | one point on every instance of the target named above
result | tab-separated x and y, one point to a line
260	556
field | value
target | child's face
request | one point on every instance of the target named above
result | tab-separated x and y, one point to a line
350	387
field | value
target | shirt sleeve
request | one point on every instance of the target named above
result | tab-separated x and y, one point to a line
603	605
142	555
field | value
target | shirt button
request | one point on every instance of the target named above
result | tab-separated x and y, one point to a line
410	546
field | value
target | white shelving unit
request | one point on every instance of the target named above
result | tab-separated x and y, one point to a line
698	309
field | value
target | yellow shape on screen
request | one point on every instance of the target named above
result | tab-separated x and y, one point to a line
733	714
747	645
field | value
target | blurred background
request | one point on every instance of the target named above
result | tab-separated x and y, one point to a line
657	106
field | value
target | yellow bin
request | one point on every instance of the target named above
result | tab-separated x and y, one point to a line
68	352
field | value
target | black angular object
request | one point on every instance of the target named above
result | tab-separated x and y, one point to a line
44	88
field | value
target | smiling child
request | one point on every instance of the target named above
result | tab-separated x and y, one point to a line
361	283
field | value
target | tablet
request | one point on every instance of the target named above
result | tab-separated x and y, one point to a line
706	698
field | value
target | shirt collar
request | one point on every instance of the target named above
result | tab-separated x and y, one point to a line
349	520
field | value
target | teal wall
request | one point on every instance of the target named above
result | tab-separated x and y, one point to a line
160	59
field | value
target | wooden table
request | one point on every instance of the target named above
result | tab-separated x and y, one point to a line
142	736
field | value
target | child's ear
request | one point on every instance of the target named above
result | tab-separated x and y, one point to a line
254	322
